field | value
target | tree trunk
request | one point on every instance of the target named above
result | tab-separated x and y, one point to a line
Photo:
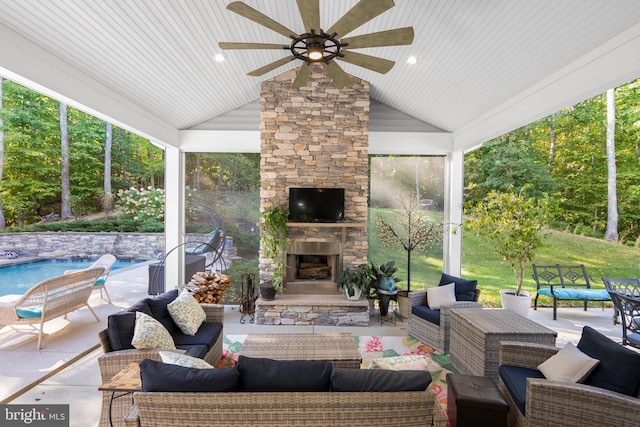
107	199
612	196
65	210
552	144
3	222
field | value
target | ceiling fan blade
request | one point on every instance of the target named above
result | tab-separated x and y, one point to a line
233	45
303	76
362	12
337	74
252	14
379	65
269	67
397	37
310	13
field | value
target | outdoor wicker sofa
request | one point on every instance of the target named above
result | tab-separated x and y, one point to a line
283	393
566	404
50	299
432	327
116	359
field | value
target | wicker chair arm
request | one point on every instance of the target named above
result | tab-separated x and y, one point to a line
132	419
417	298
526	355
214	312
558	404
112	363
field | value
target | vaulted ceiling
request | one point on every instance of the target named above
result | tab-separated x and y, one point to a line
484	66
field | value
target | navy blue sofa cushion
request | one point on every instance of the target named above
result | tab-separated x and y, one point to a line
465	289
260	374
424	312
194	350
619	367
158	376
515	380
160	312
120	327
380	380
207	335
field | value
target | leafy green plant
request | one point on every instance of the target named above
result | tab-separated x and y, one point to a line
514	224
386	270
360	278
275	242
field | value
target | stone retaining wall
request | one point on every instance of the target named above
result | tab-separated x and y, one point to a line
86	245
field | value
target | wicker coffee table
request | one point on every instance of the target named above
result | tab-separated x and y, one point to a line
476	334
339	349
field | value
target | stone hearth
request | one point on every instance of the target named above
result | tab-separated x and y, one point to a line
305	310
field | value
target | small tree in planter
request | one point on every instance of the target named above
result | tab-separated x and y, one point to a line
514	224
274	242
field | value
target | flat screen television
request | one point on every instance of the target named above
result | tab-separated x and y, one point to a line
316	204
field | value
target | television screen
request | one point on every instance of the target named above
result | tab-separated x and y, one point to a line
316	204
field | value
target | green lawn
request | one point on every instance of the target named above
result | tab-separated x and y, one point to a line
479	261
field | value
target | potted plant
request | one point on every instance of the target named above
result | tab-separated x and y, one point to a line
274	244
385	284
355	282
514	225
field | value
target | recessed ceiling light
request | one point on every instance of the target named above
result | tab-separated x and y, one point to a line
412	60
219	57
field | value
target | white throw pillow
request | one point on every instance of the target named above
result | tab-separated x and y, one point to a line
568	365
183	360
187	313
149	333
412	362
441	295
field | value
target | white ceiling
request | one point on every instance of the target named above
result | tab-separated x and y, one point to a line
484	66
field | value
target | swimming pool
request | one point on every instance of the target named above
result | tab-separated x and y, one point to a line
16	279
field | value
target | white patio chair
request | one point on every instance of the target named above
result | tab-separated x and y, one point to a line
106	261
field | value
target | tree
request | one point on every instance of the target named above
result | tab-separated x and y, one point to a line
514	224
411	228
3	222
612	198
107	199
65	210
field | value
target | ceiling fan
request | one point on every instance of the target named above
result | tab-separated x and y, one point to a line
325	47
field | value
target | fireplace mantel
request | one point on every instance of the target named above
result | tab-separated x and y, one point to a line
328	224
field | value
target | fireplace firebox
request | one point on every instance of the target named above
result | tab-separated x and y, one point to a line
312	267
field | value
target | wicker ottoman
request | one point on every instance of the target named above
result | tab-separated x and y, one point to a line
475	401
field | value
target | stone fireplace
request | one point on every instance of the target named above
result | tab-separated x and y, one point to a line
315	136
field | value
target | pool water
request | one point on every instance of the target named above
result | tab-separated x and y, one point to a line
17	279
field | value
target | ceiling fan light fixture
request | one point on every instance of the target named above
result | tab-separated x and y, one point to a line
315	52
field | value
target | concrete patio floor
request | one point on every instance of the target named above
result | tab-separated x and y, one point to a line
67	360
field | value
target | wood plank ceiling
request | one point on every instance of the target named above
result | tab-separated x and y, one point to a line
473	55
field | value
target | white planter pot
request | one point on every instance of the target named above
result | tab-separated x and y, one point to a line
356	293
403	305
519	304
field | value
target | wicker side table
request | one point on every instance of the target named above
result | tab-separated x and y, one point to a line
476	335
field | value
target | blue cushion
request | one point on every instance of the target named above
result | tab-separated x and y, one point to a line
207	334
564	293
141	306
424	312
29	312
158	376
619	367
363	380
515	381
259	374
465	289
120	327
159	311
194	350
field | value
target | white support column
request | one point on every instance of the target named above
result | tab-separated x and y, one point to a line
174	217
454	186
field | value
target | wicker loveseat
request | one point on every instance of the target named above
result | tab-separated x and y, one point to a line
119	353
431	326
537	401
263	392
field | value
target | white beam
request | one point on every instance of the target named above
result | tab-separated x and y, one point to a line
174	224
32	66
454	186
614	63
219	141
410	143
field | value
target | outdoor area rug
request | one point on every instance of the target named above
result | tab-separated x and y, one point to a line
374	347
